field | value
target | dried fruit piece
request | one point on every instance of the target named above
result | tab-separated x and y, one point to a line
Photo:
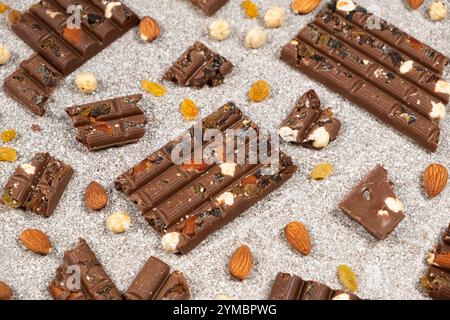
3	7
8	135
8	154
5	292
156	89
415	4
189	109
95	196
149	29
259	91
190	226
241	263
321	171
435	179
304	6
72	35
250	9
36	241
14	16
347	277
298	237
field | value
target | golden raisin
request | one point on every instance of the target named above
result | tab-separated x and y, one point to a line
189	109
8	135
156	89
347	277
259	91
3	7
321	171
250	9
8	154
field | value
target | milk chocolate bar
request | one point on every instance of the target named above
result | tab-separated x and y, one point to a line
309	125
38	185
373	204
210	7
291	287
199	66
156	282
109	123
82	277
437	279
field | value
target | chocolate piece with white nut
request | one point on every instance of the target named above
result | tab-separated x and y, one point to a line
199	66
155	282
437	279
109	123
373	204
82	277
210	7
291	287
38	185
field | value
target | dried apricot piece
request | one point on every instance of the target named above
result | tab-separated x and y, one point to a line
8	135
3	7
259	91
347	277
250	9
321	171
189	109
8	154
156	89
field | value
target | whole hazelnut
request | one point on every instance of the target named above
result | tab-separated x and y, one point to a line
170	242
118	222
275	17
438	10
255	37
219	30
86	82
4	55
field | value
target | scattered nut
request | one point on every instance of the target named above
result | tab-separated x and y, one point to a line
435	179
149	29
170	242
345	5
415	4
304	6
86	82
6	292
118	222
36	241
95	196
241	263
275	17
4	55
219	30
298	237
255	38
438	10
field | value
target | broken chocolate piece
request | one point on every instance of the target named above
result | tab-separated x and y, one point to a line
210	7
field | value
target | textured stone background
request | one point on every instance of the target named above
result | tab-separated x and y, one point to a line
388	269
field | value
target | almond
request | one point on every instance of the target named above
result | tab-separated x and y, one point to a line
95	196
415	4
440	260
72	35
304	6
298	237
241	263
36	241
435	179
5	291
149	29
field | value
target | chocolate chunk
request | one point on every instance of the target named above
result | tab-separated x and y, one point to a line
199	66
373	204
210	7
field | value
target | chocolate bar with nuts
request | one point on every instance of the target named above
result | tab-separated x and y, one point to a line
156	282
309	125
210	7
291	287
82	277
109	123
373	204
437	279
199	66
38	185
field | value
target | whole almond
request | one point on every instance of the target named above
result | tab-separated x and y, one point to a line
241	263
298	237
440	260
304	6
5	291
435	179
95	196
36	241
415	4
149	29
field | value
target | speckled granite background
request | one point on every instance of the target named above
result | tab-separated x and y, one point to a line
389	269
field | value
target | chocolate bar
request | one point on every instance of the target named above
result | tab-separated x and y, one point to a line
82	277
33	83
199	66
309	125
373	73
291	287
437	279
187	202
155	282
373	204
210	7
38	185
109	123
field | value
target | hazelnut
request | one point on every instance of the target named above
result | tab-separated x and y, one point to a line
320	137
4	55
438	10
86	82
219	30
255	38
275	17
118	222
170	242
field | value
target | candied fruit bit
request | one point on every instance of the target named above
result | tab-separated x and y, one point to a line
259	91
3	7
8	200
348	277
156	89
8	135
250	9
8	154
189	109
321	171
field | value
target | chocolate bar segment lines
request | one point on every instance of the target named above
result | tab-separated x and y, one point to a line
109	123
210	7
